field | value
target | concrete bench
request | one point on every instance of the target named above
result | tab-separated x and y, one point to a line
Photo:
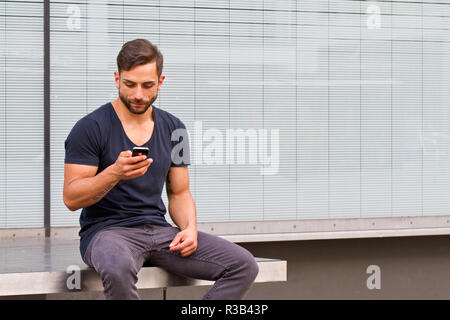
35	266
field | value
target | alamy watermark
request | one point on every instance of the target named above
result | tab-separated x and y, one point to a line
73	281
374	16
374	280
230	146
73	22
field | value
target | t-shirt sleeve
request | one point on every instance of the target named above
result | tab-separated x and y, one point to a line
83	144
180	153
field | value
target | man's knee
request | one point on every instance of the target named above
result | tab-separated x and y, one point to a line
252	268
247	264
116	263
118	272
115	266
119	278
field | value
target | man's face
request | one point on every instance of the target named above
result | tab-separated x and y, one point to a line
138	87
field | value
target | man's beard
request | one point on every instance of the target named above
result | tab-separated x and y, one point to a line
127	103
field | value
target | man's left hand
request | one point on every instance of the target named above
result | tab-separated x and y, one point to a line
185	241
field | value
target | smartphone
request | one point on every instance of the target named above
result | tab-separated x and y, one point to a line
140	150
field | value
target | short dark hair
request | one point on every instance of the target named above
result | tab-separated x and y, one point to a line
138	52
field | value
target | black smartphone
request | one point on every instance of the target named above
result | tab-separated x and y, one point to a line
140	150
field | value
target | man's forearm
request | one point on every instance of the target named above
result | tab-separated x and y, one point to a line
85	192
182	210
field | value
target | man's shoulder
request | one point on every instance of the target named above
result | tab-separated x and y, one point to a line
90	130
95	121
100	114
170	119
99	117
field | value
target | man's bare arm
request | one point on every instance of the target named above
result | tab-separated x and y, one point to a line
182	210
181	204
83	188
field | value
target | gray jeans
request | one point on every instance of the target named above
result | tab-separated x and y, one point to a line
118	253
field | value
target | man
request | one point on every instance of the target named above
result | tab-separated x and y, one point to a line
122	221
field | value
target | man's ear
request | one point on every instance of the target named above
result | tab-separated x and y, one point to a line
117	79
161	80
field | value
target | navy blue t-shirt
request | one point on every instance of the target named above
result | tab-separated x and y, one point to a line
97	139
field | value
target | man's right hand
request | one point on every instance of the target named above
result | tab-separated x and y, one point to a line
127	167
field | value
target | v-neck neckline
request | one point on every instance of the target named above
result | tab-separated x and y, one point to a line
125	133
